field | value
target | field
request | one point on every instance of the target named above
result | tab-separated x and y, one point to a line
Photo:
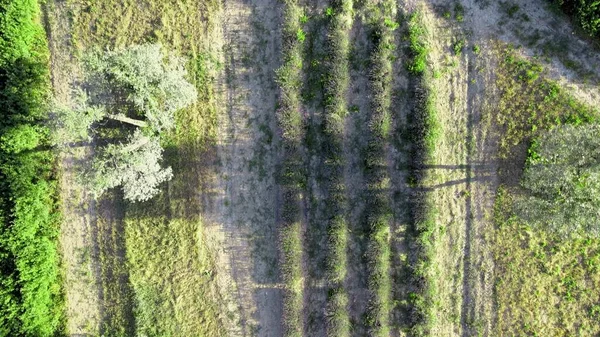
348	168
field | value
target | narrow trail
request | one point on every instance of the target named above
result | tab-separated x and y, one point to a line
245	207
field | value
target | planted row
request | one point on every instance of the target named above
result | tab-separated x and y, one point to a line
379	213
424	131
293	176
335	89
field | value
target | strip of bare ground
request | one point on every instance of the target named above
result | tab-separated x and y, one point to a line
245	204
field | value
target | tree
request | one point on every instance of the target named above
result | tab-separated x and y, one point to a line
154	88
562	181
142	89
135	165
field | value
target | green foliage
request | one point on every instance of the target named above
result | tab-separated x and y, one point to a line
73	123
418	47
585	12
458	46
30	294
563	181
20	138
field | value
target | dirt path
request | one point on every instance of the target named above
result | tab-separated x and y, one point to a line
79	251
245	206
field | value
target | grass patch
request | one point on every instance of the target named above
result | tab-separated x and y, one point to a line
31	302
165	235
546	285
531	103
172	272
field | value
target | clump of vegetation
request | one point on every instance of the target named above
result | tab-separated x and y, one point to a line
418	47
139	80
586	13
458	46
30	290
562	180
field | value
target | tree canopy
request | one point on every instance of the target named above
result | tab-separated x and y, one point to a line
562	181
142	89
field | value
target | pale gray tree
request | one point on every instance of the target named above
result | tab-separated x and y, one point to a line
134	165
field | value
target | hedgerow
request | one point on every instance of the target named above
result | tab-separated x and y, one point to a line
30	293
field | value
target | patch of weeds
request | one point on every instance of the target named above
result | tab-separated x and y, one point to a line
459	12
458	46
476	49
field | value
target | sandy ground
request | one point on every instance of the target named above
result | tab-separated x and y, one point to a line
244	208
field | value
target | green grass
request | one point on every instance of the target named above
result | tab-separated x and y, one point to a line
30	281
546	285
530	103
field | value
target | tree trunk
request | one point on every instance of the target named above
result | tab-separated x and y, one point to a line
125	119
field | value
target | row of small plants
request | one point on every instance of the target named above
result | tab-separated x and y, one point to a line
336	82
30	291
378	208
423	134
293	175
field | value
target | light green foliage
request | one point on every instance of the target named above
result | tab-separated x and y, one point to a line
563	181
134	165
418	46
20	138
156	88
73	123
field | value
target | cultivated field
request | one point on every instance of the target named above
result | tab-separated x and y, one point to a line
348	168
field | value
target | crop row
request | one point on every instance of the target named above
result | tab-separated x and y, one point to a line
379	213
293	177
